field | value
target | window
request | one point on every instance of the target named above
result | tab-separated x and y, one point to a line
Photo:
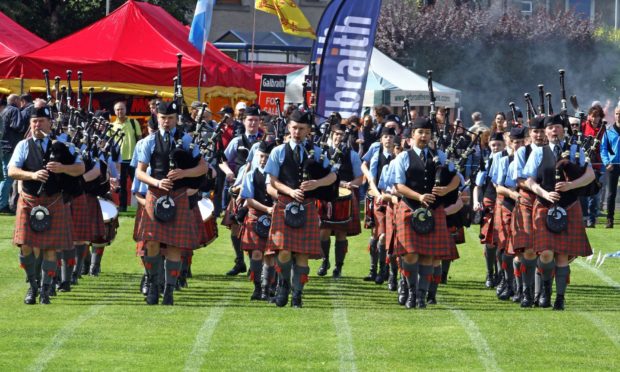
526	7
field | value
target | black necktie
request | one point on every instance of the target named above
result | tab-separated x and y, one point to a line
423	156
40	143
166	141
557	151
296	154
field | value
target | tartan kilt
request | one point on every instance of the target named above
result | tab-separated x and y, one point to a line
60	234
305	240
521	225
95	217
454	252
230	211
180	232
81	220
250	241
380	216
354	226
573	241
438	243
505	232
201	232
390	228
486	227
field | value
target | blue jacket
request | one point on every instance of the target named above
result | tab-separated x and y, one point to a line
611	140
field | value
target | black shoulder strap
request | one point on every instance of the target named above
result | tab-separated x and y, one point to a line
528	151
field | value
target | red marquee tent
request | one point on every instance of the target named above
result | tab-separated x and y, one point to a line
134	51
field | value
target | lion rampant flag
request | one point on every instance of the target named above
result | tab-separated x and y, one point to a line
293	21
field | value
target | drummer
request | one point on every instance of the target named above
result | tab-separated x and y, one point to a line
350	179
256	193
373	165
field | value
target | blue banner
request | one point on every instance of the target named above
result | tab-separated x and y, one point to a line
344	56
329	14
201	24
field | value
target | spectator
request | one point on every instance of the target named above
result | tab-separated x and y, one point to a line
590	128
13	132
26	107
368	136
610	155
133	133
478	125
381	112
500	124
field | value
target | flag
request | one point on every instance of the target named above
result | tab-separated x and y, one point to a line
201	24
343	52
329	14
293	21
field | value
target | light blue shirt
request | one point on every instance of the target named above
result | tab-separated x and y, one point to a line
146	150
386	180
138	186
276	158
374	162
402	163
535	159
247	191
520	159
506	172
231	150
356	163
371	152
21	152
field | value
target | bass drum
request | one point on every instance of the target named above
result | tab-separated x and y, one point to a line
340	210
208	219
110	219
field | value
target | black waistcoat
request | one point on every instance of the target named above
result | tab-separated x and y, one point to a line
160	159
346	166
291	173
546	179
420	176
381	163
34	162
243	150
260	189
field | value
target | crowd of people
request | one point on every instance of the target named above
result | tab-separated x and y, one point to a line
285	185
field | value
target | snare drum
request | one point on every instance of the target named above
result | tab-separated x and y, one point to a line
338	211
110	220
208	219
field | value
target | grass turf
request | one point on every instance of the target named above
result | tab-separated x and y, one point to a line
346	324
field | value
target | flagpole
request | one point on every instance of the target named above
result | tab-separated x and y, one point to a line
202	55
253	35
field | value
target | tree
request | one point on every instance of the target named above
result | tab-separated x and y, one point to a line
53	19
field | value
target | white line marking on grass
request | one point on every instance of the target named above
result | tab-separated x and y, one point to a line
61	337
343	332
600	274
485	354
602	327
196	357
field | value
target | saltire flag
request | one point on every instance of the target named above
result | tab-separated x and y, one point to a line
292	19
201	24
344	54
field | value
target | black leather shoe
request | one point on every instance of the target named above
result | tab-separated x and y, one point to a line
31	296
403	292
559	303
431	298
64	287
264	294
372	274
527	298
74	278
610	223
256	294
537	300
168	298
421	300
144	285
52	289
325	265
392	286
488	283
44	295
501	286
85	267
296	301
507	293
337	273
152	297
282	295
518	296
382	275
182	282
237	269
410	302
95	269
545	295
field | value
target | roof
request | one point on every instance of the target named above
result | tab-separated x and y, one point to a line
137	43
15	40
235	39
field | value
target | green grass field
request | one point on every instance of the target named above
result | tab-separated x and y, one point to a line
104	324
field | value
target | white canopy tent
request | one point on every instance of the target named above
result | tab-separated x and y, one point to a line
388	83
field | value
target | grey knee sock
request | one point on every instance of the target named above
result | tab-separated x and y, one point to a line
80	253
269	274
285	270
561	279
547	269
490	253
341	251
173	270
518	274
426	276
300	277
68	263
507	267
48	271
152	264
410	272
325	245
530	273
432	287
256	268
28	264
